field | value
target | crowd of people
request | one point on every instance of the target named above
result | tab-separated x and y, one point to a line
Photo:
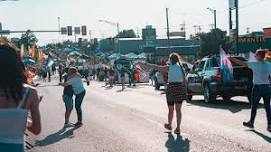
19	102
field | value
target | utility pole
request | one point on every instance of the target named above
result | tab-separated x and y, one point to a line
168	37
237	26
215	18
183	29
230	19
214	12
195	29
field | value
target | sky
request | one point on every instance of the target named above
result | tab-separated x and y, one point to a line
130	14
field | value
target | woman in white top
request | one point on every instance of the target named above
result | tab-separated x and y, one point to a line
176	89
15	101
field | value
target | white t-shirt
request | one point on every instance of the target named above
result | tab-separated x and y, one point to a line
77	84
175	74
261	71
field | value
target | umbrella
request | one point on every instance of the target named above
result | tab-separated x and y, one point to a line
75	53
29	61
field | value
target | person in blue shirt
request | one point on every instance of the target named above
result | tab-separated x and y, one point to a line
261	86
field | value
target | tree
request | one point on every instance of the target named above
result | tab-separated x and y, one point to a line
211	42
126	34
28	39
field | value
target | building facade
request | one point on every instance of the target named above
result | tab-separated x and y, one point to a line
155	47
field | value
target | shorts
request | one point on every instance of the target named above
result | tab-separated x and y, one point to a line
68	102
175	93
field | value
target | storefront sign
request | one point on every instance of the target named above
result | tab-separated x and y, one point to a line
251	40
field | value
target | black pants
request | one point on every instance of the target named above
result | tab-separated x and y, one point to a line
258	92
78	102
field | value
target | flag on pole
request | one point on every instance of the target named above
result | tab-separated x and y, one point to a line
226	67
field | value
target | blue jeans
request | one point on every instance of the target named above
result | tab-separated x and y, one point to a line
78	102
258	92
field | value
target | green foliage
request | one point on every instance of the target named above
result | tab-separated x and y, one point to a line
28	39
127	34
211	42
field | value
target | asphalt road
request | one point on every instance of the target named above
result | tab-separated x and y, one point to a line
132	121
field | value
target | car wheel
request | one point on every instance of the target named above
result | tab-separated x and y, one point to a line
226	98
189	98
208	96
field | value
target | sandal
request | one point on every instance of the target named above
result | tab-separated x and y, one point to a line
177	131
167	126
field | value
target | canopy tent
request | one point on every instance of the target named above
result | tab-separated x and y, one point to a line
75	53
84	56
114	56
131	56
67	50
142	56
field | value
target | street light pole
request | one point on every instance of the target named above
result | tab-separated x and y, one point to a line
58	19
168	37
237	26
215	18
214	12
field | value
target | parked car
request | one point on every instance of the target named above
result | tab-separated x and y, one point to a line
160	79
206	79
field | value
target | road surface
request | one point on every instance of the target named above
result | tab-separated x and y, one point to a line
132	121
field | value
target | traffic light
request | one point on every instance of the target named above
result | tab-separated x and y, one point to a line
77	30
63	30
69	30
84	30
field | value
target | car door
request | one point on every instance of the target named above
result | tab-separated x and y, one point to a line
200	73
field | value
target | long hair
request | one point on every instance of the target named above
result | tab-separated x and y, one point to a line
175	58
12	72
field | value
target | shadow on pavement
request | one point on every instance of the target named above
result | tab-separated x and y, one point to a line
177	145
232	106
265	137
56	137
